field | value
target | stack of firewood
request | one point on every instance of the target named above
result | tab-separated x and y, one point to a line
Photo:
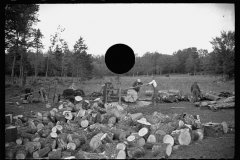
103	131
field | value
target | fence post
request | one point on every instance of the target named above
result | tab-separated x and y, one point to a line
119	94
105	88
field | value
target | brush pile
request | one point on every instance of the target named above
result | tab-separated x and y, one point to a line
103	131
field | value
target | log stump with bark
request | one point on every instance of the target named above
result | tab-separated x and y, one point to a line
131	96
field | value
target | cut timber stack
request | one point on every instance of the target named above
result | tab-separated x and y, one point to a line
106	133
131	96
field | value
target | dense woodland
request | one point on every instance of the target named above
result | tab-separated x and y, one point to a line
24	55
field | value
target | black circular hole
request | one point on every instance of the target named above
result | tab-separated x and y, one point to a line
120	58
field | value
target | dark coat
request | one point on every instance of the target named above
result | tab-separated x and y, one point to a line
136	83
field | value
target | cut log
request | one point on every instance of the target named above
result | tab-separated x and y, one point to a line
121	155
40	126
131	96
54	129
224	105
135	152
71	145
54	154
153	129
229	99
162	150
32	146
19	141
96	141
54	144
197	135
121	146
86	155
152	138
59	127
68	115
9	152
44	133
21	154
112	121
136	116
11	134
107	138
84	123
169	139
182	137
225	127
141	142
142	132
53	134
212	97
42	152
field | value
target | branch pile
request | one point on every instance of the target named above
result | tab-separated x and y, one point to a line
103	131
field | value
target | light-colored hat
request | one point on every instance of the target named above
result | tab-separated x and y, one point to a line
139	80
78	98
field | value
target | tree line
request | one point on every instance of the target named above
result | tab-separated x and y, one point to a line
24	55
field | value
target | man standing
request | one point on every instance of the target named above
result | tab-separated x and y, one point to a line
195	90
155	93
43	94
137	83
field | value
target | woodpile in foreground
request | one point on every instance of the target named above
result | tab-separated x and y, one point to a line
103	131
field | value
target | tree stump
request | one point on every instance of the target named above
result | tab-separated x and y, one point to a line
11	134
131	96
213	129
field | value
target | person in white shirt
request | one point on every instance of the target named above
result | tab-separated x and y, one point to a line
154	85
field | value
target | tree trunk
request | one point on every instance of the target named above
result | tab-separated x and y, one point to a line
13	66
47	66
36	63
62	69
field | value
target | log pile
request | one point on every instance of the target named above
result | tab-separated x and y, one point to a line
90	131
168	96
215	101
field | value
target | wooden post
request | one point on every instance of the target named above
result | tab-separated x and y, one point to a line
119	94
54	92
105	88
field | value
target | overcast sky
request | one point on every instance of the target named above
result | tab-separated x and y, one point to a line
164	28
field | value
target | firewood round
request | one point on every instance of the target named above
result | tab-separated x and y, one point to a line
168	139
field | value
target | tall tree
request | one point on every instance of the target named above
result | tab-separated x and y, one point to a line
224	50
37	43
19	19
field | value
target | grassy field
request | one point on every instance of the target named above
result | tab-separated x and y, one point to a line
209	147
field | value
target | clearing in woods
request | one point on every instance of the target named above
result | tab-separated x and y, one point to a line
209	147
